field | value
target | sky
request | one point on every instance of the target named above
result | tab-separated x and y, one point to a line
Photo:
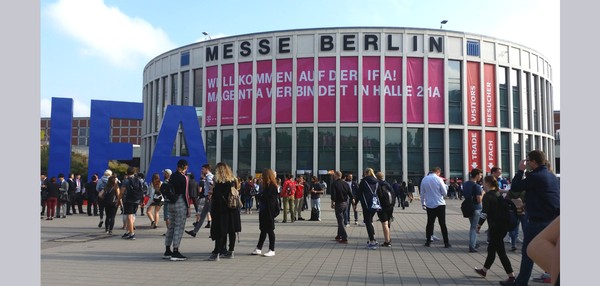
97	49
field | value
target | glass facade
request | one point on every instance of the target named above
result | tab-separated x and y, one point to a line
304	148
185	88
456	153
211	147
283	150
455	96
505	143
174	89
371	148
514	82
436	148
393	153
263	149
503	96
517	150
326	148
349	149
227	146
198	80
244	152
414	144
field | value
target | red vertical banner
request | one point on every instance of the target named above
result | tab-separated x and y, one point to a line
227	93
348	89
393	89
489	79
491	150
245	93
414	90
474	145
305	90
263	91
435	91
212	96
474	94
283	91
326	108
371	89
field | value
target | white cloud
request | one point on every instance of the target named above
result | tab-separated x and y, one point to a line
45	107
107	32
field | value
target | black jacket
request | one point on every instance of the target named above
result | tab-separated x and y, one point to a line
340	191
542	196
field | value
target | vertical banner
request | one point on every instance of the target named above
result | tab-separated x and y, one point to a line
326	109
348	89
435	91
371	92
490	150
283	91
227	93
212	89
474	97
305	90
393	89
489	78
245	93
414	90
474	145
263	91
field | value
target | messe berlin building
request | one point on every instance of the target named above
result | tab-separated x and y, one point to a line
399	100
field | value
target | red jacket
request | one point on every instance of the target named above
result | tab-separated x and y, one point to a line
299	191
289	189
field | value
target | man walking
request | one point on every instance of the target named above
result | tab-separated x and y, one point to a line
433	190
204	202
133	193
473	193
179	211
340	194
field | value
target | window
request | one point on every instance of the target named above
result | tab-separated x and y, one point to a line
227	147
185	88
436	148
543	104
414	144
198	84
371	148
516	88
164	93
244	152
326	148
526	91
174	91
283	150
455	96
505	152
473	48
185	58
503	86
211	147
534	104
304	148
263	149
456	153
349	149
517	150
393	153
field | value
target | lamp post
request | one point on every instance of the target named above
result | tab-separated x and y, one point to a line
442	23
206	34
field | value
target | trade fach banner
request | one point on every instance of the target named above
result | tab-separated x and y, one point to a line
263	91
245	93
489	82
371	93
326	109
348	89
393	89
305	90
227	93
283	91
474	144
490	150
414	90
473	94
435	91
212	89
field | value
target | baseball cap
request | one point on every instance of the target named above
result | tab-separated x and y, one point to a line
168	171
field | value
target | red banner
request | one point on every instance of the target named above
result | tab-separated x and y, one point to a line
245	93
473	94
435	91
414	90
227	93
393	89
489	79
263	91
212	96
490	150
305	90
371	93
348	89
474	147
327	75
283	91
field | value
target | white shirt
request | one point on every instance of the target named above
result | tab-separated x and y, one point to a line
433	191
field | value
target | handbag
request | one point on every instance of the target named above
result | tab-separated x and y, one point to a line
157	198
468	206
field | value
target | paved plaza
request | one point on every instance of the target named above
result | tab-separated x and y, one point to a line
74	251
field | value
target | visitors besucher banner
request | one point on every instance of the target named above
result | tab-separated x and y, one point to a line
489	94
474	147
473	94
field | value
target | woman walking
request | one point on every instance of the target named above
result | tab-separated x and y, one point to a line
111	200
155	200
269	209
491	212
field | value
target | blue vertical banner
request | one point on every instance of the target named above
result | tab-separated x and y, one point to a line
61	118
101	149
162	157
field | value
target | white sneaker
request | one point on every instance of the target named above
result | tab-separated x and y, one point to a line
519	240
270	253
433	237
257	252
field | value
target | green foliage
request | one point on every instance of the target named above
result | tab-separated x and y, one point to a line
79	164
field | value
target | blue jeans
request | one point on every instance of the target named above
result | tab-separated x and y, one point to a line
532	228
316	203
474	219
514	234
248	203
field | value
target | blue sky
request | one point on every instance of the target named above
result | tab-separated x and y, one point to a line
97	49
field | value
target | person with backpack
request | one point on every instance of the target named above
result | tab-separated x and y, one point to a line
226	221
473	194
133	193
99	187
493	211
110	201
370	204
287	196
433	190
387	198
248	188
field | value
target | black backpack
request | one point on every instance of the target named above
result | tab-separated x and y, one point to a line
507	216
386	196
134	191
110	197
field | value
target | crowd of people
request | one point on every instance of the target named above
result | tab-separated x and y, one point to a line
534	190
